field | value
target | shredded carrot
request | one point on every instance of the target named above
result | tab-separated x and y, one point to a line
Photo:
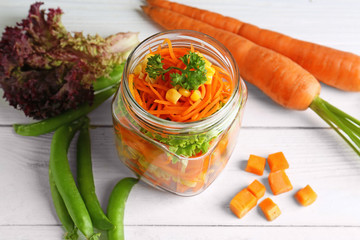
138	99
131	84
170	49
212	111
202	90
158	112
156	92
163	102
152	96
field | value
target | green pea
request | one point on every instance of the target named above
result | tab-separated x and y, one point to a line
61	211
85	180
60	169
116	207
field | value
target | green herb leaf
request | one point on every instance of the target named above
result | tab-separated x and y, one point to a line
154	66
193	75
190	78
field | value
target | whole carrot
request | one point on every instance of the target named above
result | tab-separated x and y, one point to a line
284	81
336	68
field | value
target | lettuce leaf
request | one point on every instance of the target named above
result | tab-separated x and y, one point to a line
46	70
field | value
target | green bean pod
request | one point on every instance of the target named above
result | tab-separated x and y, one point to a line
62	212
116	207
60	169
51	124
85	180
113	79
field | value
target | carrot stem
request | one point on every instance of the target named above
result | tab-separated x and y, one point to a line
345	125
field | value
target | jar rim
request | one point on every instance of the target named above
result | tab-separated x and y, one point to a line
208	121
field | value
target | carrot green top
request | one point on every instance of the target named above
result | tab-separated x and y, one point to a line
179	84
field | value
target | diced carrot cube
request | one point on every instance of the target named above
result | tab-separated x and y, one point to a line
279	182
256	165
270	209
277	161
306	196
242	203
257	189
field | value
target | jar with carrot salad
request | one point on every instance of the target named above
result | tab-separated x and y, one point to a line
178	110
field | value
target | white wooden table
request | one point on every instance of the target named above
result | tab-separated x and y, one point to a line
317	156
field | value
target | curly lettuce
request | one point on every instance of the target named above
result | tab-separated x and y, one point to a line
46	70
187	146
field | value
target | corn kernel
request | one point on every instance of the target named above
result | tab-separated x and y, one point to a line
209	75
196	95
210	70
172	95
207	63
138	69
184	92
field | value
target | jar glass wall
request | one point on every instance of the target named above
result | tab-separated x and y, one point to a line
149	145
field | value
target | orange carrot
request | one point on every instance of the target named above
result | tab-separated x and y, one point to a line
270	209
306	196
257	189
336	68
256	165
242	203
279	182
277	161
281	79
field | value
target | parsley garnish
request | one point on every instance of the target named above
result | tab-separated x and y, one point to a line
154	66
190	78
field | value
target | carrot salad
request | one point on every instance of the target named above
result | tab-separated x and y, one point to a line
179	84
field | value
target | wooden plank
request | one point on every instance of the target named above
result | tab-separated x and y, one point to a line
317	157
195	232
240	233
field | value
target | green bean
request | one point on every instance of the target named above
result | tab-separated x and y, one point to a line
113	79
86	181
51	124
60	169
62	212
116	207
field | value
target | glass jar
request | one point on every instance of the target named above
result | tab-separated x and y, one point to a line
147	144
